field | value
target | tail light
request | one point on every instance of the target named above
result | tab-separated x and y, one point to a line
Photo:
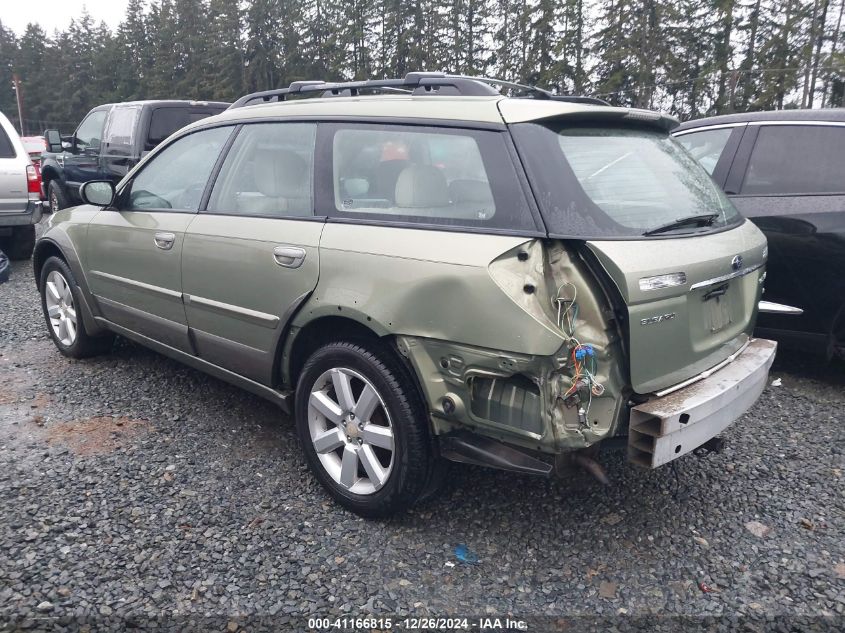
33	182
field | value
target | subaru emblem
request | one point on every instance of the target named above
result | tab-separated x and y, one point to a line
736	262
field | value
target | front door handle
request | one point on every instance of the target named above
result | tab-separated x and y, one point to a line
289	256
164	241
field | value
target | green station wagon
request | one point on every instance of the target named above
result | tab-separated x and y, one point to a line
423	270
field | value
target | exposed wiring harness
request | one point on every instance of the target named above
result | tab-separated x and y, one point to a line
583	357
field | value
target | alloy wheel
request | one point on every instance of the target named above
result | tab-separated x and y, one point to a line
351	430
60	308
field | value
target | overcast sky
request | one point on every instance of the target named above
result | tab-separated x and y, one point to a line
57	14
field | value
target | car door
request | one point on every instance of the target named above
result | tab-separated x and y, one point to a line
251	256
82	160
134	251
788	180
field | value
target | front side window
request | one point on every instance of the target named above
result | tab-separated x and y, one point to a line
446	177
600	182
796	159
89	135
267	172
706	147
175	178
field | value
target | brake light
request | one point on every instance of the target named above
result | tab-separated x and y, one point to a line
33	182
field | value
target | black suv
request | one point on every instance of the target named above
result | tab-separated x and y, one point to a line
785	170
110	141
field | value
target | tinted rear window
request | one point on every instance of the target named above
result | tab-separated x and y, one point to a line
600	182
796	159
7	150
165	121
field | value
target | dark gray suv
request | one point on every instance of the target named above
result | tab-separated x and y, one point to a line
785	171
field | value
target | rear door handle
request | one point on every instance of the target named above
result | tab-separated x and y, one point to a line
289	256
164	241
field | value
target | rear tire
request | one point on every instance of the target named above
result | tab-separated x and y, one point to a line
363	428
22	242
56	196
60	302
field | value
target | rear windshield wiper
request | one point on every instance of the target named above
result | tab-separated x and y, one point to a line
705	219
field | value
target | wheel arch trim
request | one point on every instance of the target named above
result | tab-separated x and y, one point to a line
60	244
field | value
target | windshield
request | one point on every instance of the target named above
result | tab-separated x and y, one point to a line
600	182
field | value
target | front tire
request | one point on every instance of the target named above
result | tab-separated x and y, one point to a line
363	428
56	196
60	302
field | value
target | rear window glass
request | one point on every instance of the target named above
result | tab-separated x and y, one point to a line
165	121
447	177
7	150
706	147
595	182
796	159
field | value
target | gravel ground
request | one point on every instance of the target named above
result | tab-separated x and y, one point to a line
136	491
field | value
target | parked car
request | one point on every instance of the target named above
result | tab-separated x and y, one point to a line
785	171
110	141
4	268
461	276
35	146
20	194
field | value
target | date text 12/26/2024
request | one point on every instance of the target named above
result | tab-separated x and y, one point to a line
342	624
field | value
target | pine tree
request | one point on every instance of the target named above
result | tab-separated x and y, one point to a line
31	59
224	79
132	53
8	52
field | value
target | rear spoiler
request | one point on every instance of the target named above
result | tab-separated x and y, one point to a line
525	111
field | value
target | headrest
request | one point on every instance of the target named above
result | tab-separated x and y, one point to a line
422	186
281	174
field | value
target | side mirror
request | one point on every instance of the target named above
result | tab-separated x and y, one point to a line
100	193
54	141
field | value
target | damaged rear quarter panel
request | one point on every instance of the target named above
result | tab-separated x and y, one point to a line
466	305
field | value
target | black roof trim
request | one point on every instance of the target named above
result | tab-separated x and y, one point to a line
827	114
415	83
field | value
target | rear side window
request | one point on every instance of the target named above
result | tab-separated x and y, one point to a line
165	121
440	176
175	178
120	129
706	147
7	150
796	159
267	172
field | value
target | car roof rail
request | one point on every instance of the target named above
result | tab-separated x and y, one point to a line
414	83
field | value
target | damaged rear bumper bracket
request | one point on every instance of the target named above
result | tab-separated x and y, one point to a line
665	428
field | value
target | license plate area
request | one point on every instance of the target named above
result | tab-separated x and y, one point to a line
717	302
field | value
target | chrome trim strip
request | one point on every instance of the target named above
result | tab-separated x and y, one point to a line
815	123
704	128
705	374
770	307
166	292
733	275
259	318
